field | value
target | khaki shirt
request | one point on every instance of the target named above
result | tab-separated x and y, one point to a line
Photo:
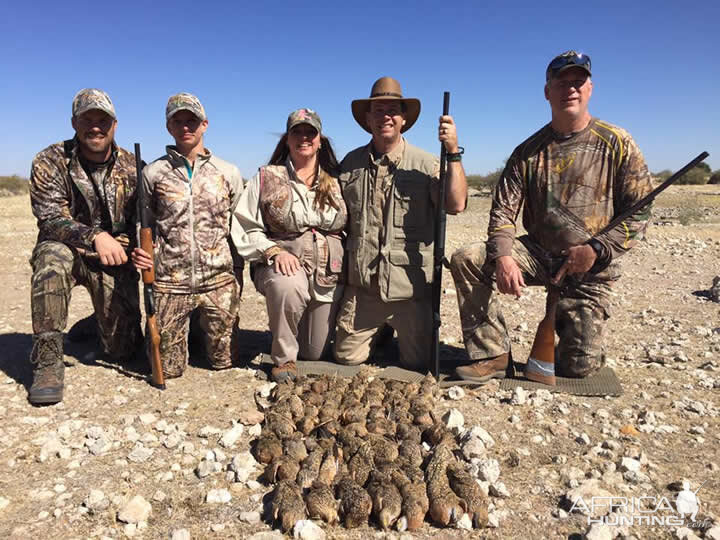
302	230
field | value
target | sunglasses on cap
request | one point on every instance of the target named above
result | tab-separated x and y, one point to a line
570	58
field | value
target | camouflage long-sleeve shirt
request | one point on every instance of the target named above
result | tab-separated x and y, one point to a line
569	189
192	210
65	201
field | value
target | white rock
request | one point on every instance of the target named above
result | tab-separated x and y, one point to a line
453	419
140	454
489	470
250	517
135	511
231	436
96	500
464	523
629	464
255	430
267	535
308	530
498	489
493	520
683	533
217	527
130	529
483	435
455	393
519	396
265	389
147	418
218	496
599	531
180	534
208	431
4	503
159	496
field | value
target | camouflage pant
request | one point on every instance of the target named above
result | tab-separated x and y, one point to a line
581	312
216	314
57	269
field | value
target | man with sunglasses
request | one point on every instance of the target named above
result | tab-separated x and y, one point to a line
82	192
570	178
391	188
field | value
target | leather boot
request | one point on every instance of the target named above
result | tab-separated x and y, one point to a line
484	370
48	369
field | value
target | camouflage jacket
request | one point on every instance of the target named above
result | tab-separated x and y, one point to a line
191	216
63	197
569	189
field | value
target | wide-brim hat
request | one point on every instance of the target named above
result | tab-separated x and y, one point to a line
386	88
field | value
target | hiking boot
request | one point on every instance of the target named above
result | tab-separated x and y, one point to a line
48	369
83	330
284	373
484	370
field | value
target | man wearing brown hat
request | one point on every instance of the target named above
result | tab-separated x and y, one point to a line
82	192
570	179
391	188
192	194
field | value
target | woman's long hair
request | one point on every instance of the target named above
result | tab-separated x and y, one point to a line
328	169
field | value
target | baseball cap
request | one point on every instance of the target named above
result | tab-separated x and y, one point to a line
184	102
304	116
92	98
567	60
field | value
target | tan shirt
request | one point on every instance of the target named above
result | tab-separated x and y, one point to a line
250	232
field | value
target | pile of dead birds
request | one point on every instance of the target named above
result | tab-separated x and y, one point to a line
362	451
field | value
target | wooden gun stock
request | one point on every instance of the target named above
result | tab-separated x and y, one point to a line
541	364
148	278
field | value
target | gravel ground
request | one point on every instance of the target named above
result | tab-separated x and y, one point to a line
119	458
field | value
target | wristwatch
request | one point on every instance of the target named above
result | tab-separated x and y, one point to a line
596	245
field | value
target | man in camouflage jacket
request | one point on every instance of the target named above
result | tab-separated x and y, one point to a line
82	193
191	196
570	179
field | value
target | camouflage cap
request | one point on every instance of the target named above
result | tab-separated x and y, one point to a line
304	116
184	102
92	98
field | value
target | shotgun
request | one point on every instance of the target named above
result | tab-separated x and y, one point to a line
439	251
148	277
541	364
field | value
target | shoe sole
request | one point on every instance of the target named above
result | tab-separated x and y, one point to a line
484	379
49	399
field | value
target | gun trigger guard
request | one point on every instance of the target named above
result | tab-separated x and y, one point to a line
445	263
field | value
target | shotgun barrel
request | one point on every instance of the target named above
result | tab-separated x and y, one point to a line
439	251
148	277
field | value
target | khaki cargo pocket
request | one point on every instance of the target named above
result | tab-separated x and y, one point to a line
346	314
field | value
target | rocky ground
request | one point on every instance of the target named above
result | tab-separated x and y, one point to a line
120	459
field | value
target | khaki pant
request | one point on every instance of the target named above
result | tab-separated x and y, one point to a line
362	314
216	313
301	326
57	269
582	309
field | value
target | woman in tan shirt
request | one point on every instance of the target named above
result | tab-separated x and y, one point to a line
293	214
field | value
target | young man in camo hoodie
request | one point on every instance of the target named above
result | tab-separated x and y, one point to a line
191	195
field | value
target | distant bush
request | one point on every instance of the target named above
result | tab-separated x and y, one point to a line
715	178
700	174
13	185
480	181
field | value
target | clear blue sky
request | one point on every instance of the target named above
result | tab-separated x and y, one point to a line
656	70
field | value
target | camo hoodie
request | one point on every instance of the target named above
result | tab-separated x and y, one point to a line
191	216
65	203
